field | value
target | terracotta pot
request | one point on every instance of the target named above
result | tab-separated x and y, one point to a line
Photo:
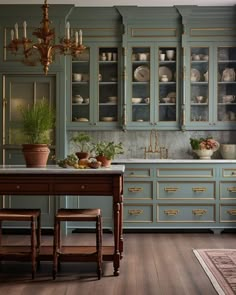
105	162
36	155
82	155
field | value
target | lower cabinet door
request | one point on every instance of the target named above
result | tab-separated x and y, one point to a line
138	213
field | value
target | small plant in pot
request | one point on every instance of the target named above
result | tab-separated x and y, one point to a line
83	141
105	151
38	120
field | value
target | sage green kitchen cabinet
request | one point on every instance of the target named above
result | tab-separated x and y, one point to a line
211	90
95	97
152	88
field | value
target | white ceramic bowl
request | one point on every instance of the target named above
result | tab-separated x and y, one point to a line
228	151
77	77
136	99
108	119
199	98
166	99
112	99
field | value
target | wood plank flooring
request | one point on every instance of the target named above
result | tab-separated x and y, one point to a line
153	264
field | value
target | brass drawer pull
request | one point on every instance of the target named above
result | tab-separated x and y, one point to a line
232	212
232	189
199	212
171	189
135	189
135	212
199	189
171	212
233	173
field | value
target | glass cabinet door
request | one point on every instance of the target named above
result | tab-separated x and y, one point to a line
199	86
81	111
140	97
108	84
167	84
226	90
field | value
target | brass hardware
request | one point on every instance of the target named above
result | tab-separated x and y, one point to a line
171	189
135	189
135	212
199	212
232	212
232	189
82	187
199	189
233	173
171	212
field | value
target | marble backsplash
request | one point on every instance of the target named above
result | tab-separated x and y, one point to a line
177	142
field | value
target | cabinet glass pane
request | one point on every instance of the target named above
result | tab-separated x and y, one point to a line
80	87
226	84
141	68
167	84
199	90
108	84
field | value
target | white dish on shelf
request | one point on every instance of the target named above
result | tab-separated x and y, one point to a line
165	71
136	100
81	119
108	119
112	99
195	75
142	74
228	75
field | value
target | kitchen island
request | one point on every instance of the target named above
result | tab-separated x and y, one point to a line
56	181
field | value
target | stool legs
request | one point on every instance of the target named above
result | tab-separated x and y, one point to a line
99	246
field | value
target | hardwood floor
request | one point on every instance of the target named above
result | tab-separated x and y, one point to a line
153	263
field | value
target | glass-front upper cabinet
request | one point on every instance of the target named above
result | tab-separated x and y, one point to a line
211	100
226	85
95	95
152	91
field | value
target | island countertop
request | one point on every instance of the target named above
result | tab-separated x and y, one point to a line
21	169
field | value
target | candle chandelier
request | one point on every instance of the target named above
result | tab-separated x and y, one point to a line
45	45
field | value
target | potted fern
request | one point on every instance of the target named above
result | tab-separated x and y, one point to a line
38	120
105	151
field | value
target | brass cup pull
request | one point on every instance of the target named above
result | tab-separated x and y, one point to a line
232	212
199	189
199	212
135	212
232	189
135	189
171	189
171	212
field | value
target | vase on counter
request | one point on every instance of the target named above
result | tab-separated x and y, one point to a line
204	154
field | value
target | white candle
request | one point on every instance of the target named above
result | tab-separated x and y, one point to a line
12	34
76	38
68	30
16	30
80	37
24	29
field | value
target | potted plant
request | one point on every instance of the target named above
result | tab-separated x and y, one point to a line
204	147
38	120
83	141
106	151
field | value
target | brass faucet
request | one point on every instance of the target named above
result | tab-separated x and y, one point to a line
150	150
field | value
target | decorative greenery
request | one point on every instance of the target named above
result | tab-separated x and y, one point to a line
38	120
108	149
83	141
203	143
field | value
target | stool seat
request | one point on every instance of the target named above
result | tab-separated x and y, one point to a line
22	253
85	253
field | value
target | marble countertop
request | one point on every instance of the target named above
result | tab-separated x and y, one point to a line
12	169
169	161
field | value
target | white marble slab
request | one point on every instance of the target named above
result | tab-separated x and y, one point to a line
10	169
169	161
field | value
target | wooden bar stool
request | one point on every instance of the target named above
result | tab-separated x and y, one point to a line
22	253
77	253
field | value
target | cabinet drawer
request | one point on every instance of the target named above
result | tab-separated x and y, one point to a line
137	172
186	213
227	190
138	213
185	190
138	190
83	188
185	172
229	172
228	213
34	188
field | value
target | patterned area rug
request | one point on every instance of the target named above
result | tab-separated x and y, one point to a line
220	266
